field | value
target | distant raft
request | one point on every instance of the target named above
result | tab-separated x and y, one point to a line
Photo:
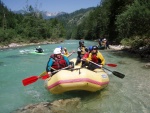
77	79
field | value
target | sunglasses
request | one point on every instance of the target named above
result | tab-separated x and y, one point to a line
94	49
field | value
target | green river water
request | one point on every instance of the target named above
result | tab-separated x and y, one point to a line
128	95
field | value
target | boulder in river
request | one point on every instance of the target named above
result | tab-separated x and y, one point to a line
58	106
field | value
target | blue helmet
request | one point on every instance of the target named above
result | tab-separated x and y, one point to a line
90	48
60	47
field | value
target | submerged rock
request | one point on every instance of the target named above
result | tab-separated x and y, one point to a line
59	106
147	65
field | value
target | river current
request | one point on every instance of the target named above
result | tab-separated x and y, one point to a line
128	95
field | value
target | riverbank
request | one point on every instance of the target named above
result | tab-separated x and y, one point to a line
14	45
143	52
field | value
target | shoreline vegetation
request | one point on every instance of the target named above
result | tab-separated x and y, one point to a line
142	52
14	45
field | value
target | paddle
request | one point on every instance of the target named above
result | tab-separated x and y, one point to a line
44	75
70	54
111	65
33	79
120	75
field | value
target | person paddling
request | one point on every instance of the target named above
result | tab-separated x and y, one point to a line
96	57
57	61
86	55
81	51
39	50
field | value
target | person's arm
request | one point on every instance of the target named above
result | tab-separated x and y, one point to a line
100	56
67	60
79	52
49	64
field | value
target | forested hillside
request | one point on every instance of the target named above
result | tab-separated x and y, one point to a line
27	28
120	21
73	20
125	21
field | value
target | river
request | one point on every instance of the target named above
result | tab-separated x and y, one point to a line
128	95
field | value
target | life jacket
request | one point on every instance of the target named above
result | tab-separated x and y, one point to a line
58	62
95	59
66	53
82	48
86	55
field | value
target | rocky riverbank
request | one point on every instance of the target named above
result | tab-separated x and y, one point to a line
59	106
13	45
142	52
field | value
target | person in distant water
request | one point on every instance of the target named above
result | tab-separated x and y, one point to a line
57	61
39	49
99	42
81	51
105	43
96	57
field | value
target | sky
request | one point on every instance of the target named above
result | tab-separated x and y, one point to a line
68	6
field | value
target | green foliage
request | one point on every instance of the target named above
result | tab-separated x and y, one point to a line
117	20
136	41
135	20
30	27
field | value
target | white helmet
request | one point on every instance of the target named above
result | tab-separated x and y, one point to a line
57	51
104	39
39	47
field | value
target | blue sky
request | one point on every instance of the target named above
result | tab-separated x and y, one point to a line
51	5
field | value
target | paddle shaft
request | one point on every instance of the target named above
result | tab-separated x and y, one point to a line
46	75
120	75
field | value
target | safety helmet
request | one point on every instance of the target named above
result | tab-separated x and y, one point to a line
81	42
94	48
90	48
104	39
57	51
39	47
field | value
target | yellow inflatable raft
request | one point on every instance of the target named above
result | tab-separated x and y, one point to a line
78	79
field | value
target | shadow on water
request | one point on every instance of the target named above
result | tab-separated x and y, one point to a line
13	56
1	63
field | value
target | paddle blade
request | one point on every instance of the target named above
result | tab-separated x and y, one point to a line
29	80
120	75
112	65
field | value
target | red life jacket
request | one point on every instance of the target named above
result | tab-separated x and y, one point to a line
58	62
95	59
